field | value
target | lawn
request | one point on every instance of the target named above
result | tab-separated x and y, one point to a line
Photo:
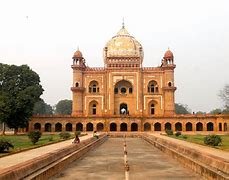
22	142
199	139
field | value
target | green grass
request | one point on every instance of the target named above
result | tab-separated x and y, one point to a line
22	142
199	139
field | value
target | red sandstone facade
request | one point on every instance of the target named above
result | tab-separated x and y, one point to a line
125	96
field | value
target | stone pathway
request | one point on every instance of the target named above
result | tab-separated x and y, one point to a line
204	149
14	159
145	161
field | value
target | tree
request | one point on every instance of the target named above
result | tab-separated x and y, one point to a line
200	112
19	90
41	107
64	107
181	109
216	111
224	95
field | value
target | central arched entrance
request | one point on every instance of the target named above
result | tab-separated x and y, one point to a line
123	108
123	127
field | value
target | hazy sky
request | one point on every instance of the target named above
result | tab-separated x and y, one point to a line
45	33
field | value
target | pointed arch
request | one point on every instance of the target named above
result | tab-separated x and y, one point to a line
48	127
147	127
157	126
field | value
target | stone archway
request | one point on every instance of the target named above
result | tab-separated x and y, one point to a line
123	127
199	126
168	126
100	127
58	127
68	127
220	127
178	126
134	127
157	126
210	126
89	127
37	126
113	127
123	108
79	127
188	126
225	126
147	127
48	127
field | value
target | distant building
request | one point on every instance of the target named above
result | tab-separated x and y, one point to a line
125	96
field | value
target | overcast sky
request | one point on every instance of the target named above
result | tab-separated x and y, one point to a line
45	33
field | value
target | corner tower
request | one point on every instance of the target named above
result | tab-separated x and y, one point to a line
168	67
77	88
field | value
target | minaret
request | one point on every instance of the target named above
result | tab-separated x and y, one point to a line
77	87
168	67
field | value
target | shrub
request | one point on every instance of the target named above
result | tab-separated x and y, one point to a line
178	133
212	140
34	136
65	135
50	138
5	145
169	132
78	133
184	136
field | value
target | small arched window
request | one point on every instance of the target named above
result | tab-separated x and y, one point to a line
169	84
123	90
116	90
93	87
94	109
152	109
77	84
152	87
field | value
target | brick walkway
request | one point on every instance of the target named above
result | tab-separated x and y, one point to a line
14	159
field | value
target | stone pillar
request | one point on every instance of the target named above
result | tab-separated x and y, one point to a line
194	126
129	127
84	127
173	126
215	127
53	127
183	126
139	127
204	126
162	126
118	127
73	127
42	127
94	127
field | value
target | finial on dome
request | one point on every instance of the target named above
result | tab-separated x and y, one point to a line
77	48
123	23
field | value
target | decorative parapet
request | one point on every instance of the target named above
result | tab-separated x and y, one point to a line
95	69
135	116
145	69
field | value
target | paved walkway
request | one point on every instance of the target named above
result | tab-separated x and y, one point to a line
145	162
14	159
205	149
